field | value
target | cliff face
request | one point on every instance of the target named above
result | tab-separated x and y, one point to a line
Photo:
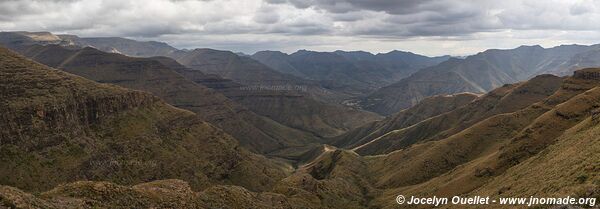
68	115
587	74
60	128
40	102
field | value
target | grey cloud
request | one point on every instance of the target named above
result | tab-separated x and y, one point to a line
276	1
349	16
343	6
266	15
405	18
266	18
300	28
12	8
306	21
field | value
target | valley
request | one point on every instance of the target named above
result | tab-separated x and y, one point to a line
120	123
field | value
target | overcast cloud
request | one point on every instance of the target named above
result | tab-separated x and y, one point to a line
431	27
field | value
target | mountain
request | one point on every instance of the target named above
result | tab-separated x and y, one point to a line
502	146
279	61
119	45
478	74
123	46
505	99
355	73
429	107
253	74
581	60
291	112
21	38
254	132
400	63
319	118
547	147
58	128
519	140
407	61
70	142
286	99
231	66
242	69
338	72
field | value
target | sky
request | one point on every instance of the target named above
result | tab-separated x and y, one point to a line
429	27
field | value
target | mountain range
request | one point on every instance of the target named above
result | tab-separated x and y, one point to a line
268	93
386	83
355	73
479	73
59	127
129	124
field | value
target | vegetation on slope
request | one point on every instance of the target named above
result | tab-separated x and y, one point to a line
59	128
254	132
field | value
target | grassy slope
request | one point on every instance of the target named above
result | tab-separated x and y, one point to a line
505	99
461	168
255	132
461	163
544	146
60	128
429	107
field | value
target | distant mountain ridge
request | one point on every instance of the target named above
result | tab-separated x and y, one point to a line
343	74
478	74
288	107
123	46
355	72
284	98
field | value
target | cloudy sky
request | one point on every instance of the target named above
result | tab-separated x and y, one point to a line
430	27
